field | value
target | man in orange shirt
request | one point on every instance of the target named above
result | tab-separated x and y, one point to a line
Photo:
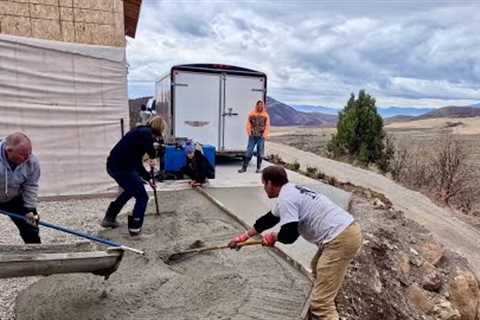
258	128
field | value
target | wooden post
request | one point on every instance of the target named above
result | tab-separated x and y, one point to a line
122	127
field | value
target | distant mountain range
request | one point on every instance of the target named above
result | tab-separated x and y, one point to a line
397	114
282	114
309	108
451	112
385	112
445	112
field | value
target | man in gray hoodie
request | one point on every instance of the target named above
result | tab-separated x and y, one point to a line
19	175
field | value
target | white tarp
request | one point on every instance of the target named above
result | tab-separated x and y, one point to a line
69	99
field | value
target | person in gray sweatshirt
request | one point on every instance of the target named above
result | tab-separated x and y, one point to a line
19	176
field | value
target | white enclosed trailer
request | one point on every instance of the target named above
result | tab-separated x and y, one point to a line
210	103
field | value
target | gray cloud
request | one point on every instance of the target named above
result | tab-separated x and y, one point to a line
403	52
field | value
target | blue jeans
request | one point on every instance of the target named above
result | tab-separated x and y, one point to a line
133	187
259	143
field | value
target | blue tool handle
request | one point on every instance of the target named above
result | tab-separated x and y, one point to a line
76	233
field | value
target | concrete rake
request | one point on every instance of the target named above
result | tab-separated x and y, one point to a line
185	254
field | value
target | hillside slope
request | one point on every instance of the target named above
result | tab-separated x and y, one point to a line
452	232
282	114
451	112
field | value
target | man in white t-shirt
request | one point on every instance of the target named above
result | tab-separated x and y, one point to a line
316	218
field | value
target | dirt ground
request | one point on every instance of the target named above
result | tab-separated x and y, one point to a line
391	262
410	133
253	283
307	139
461	126
373	289
453	233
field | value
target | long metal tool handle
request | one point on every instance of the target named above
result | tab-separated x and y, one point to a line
154	187
77	233
244	244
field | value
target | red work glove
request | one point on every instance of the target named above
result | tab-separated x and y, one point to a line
238	239
269	239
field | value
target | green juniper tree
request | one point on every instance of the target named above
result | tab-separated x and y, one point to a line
360	133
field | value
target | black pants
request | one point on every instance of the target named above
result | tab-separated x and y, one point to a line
195	175
133	187
29	233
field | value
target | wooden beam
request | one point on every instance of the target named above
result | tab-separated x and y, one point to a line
43	264
79	246
131	12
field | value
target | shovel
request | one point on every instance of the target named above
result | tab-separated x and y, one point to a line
154	187
181	255
76	233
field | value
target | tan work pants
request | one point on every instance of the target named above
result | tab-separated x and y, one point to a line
329	267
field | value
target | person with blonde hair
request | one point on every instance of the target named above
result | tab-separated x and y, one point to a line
158	125
125	166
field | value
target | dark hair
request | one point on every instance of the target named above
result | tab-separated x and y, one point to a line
143	107
275	174
259	102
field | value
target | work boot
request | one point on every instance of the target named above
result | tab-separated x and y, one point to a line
311	316
314	317
244	167
109	221
134	226
259	164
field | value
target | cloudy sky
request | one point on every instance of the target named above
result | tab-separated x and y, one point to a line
318	52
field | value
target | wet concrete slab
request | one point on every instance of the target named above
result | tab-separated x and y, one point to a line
253	283
243	195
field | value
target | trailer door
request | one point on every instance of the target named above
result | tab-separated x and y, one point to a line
240	94
197	106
